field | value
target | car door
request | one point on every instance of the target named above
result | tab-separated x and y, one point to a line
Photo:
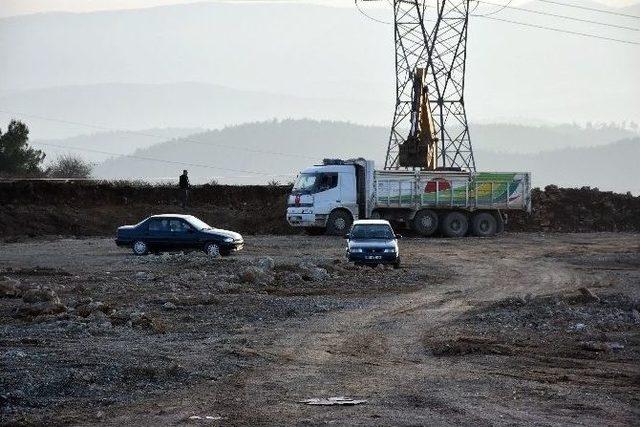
158	233
182	234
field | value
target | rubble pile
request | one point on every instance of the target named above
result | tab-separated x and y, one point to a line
578	210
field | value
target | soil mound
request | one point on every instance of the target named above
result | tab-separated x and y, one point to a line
89	208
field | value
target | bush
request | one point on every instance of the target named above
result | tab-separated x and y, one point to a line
69	166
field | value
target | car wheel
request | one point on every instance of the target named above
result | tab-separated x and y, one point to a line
484	225
425	222
455	224
339	223
140	248
213	250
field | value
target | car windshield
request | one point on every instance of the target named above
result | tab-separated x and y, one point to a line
372	231
198	224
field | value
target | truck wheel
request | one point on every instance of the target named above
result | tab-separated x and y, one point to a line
339	223
484	224
425	222
455	224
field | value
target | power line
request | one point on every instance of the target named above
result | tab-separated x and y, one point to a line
558	30
187	139
153	159
502	7
366	15
592	9
588	21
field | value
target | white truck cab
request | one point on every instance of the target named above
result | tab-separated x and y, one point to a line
328	190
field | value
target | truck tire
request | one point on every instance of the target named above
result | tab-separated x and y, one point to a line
425	222
455	224
484	224
339	223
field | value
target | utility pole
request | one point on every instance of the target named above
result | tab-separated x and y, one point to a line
430	128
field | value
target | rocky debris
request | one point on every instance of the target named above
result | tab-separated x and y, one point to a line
578	327
223	286
312	273
9	288
256	275
143	276
588	295
461	346
169	306
266	263
291	279
601	346
39	302
86	307
578	210
191	259
318	274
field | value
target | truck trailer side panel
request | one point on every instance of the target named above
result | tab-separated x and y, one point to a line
483	190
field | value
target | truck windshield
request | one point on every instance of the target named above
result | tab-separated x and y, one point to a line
310	183
372	231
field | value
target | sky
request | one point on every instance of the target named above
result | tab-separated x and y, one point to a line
19	7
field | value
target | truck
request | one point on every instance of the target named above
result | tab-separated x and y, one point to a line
328	197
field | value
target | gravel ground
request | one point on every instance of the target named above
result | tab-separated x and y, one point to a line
523	328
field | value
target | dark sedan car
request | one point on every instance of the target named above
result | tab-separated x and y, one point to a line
170	232
373	242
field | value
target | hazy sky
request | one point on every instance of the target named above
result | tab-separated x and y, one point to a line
17	7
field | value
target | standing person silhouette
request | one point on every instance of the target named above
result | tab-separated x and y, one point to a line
184	188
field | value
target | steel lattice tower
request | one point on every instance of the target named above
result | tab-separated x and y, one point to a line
432	34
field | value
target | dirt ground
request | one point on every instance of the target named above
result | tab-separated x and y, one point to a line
524	328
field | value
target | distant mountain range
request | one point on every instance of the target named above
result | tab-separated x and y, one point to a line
93	147
259	60
278	150
70	110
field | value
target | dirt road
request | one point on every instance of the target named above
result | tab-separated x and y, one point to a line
525	328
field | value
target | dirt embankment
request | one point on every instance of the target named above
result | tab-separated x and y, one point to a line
97	209
578	210
30	208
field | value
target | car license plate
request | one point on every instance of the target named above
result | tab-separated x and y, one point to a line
373	257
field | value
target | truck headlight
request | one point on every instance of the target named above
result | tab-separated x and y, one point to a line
228	239
389	250
356	251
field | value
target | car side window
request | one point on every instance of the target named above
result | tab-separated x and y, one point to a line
158	225
178	226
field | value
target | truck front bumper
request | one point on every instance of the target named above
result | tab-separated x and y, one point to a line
298	217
